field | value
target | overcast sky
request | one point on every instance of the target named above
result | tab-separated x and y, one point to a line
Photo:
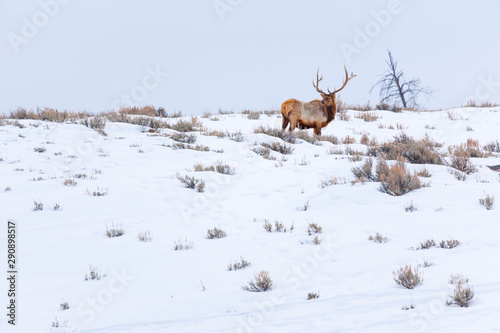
194	56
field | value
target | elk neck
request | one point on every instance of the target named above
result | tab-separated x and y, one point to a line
330	112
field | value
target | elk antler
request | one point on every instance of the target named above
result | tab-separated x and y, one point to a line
317	83
347	78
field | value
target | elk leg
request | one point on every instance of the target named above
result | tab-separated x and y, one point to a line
285	123
317	131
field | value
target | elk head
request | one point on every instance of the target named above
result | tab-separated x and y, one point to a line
329	99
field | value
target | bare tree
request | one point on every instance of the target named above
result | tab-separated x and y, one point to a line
394	86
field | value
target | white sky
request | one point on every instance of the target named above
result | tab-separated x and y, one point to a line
90	53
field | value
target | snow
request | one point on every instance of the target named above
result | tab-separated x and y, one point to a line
149	287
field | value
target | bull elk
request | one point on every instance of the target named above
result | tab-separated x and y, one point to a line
314	114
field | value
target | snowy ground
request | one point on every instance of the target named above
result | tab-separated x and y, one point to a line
149	287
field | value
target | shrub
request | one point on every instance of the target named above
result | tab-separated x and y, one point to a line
264	152
383	106
98	192
313	228
461	176
364	139
334	151
216	133
462	295
487	202
286	136
115	231
449	244
254	115
342	115
312	295
235	136
460	159
184	138
424	172
268	226
427	244
367	116
191	182
225	112
358	107
413	151
95	123
180	245
215	233
70	182
179	145
493	147
364	173
147	110
38	206
332	180
145	236
444	244
409	208
382	169
457	278
39	149
177	114
278	226
408	277
93	274
236	265
280	148
218	166
261	282
329	138
316	240
46	114
355	158
304	135
161	112
348	140
378	238
427	263
191	125
399	181
64	306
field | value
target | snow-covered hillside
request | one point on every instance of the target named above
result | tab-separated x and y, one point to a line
150	287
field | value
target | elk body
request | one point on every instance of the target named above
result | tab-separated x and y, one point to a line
314	114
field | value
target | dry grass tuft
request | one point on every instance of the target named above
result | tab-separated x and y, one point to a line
237	265
408	277
487	202
261	282
367	116
399	180
413	151
378	238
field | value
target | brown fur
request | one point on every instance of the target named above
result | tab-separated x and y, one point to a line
308	114
314	114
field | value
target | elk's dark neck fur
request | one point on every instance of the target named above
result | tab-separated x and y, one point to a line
330	112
